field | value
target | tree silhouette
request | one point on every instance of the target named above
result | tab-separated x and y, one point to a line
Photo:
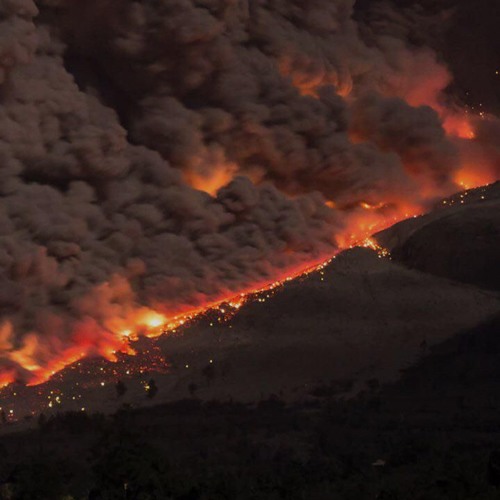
151	389
192	388
373	384
126	467
494	469
121	389
38	478
209	373
42	421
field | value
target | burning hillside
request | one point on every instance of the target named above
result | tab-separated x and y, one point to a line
159	158
361	317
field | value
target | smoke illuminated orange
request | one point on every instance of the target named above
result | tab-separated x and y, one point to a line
459	126
110	335
212	181
117	333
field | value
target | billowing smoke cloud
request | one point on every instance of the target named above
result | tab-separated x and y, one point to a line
159	156
255	87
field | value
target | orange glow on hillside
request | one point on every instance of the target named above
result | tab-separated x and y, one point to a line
470	178
106	341
369	219
117	333
7	377
113	332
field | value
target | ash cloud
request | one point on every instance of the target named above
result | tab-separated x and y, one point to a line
114	112
263	88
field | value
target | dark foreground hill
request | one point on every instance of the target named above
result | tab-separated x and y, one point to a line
461	241
435	434
462	246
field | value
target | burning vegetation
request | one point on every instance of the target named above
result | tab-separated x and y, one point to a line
161	159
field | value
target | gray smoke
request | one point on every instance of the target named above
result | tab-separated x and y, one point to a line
114	111
219	85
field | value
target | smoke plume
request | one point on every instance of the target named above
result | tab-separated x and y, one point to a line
159	156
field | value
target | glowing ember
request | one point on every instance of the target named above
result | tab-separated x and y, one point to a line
373	245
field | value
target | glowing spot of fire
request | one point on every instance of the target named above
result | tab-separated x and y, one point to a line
369	206
373	245
361	223
213	180
6	378
469	177
154	321
459	125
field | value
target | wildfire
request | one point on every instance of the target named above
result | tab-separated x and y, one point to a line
373	245
457	125
122	332
212	181
368	219
119	333
6	378
469	179
116	334
479	165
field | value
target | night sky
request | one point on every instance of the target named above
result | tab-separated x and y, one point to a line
473	51
467	39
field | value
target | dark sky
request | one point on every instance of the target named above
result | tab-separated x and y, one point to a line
470	46
473	51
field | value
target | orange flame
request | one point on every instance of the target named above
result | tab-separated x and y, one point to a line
213	180
6	378
460	126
